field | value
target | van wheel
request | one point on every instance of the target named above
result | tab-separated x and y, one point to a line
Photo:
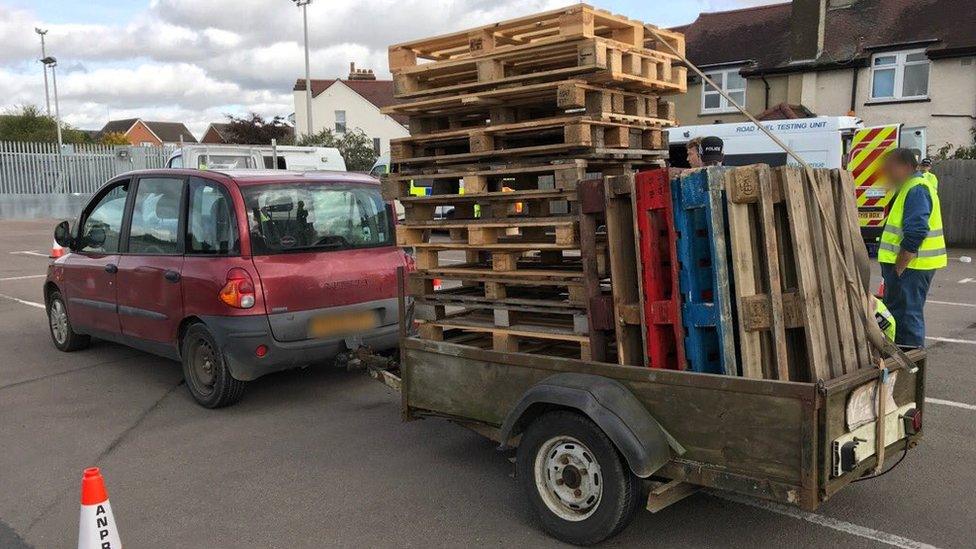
63	336
578	483
205	370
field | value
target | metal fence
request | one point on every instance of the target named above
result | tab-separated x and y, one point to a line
40	168
957	195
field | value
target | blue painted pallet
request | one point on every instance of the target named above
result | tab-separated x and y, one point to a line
699	212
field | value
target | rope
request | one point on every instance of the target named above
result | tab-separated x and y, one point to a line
875	336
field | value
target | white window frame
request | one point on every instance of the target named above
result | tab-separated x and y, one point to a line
720	78
901	62
340	127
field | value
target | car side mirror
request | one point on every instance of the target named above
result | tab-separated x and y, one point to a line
62	235
95	237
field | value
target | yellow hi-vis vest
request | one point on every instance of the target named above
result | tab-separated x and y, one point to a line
932	251
932	180
886	321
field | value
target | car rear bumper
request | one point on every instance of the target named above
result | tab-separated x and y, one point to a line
239	337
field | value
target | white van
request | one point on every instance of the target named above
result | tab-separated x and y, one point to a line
245	157
823	142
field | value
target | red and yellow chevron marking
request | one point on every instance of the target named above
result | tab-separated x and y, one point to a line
868	147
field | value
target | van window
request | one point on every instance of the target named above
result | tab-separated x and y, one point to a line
211	225
176	162
269	163
156	216
316	217
225	162
103	225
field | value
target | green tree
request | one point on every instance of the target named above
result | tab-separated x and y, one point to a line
27	123
114	138
355	147
962	152
253	129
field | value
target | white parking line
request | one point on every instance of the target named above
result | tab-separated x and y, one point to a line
30	252
26	277
832	523
23	302
950	303
954	404
951	340
965	280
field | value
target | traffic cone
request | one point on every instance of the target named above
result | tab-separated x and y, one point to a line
96	528
56	250
881	290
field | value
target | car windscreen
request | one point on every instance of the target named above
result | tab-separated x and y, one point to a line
302	217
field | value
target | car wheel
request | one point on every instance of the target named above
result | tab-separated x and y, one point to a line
63	336
205	370
576	480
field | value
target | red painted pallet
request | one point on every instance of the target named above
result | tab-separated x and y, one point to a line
662	297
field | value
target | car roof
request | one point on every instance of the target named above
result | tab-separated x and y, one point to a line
262	177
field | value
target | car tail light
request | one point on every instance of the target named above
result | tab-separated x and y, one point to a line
261	350
238	292
913	421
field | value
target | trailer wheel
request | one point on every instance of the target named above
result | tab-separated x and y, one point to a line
578	483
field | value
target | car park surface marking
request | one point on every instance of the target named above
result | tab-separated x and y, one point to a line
24	302
31	253
950	303
954	404
829	522
25	277
951	340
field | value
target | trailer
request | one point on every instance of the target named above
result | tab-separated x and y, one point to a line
592	437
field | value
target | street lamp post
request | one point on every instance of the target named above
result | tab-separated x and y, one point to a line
308	79
53	63
47	95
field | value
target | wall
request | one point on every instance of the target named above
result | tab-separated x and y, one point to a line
140	134
688	105
957	195
952	91
360	113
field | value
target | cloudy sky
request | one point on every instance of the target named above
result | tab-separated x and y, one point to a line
197	60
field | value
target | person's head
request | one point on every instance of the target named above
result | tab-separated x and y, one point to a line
694	153
899	166
712	151
925	165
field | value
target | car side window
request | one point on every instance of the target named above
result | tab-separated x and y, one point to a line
211	226
103	224
155	226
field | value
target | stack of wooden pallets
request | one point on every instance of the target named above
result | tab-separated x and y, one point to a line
506	120
760	290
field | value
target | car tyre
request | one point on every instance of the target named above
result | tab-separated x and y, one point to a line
59	324
577	481
205	370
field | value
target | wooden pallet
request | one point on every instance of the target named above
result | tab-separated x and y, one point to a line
578	21
560	231
533	102
563	133
797	318
595	60
509	338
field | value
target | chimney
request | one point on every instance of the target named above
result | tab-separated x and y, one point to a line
360	74
807	25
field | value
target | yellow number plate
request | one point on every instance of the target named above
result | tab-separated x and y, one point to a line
342	323
871	215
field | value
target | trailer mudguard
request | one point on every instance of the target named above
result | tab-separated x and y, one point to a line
639	437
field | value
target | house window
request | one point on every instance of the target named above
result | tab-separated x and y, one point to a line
732	83
376	145
900	75
340	117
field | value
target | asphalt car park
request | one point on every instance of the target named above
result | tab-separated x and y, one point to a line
319	457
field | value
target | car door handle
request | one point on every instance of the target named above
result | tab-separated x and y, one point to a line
111	268
172	276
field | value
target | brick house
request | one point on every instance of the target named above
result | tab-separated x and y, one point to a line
147	133
884	61
215	133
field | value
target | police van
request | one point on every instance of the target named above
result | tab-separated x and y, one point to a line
823	142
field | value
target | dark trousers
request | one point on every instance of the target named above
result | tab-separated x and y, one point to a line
905	297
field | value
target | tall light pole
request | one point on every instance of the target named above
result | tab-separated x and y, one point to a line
52	62
308	79
47	95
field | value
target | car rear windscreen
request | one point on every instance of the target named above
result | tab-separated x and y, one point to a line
303	217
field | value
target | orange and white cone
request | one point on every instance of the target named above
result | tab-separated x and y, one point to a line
56	250
96	529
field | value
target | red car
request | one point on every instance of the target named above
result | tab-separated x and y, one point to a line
235	274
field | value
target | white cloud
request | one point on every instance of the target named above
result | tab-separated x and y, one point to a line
193	60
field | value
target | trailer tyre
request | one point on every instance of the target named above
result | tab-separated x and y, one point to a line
576	479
